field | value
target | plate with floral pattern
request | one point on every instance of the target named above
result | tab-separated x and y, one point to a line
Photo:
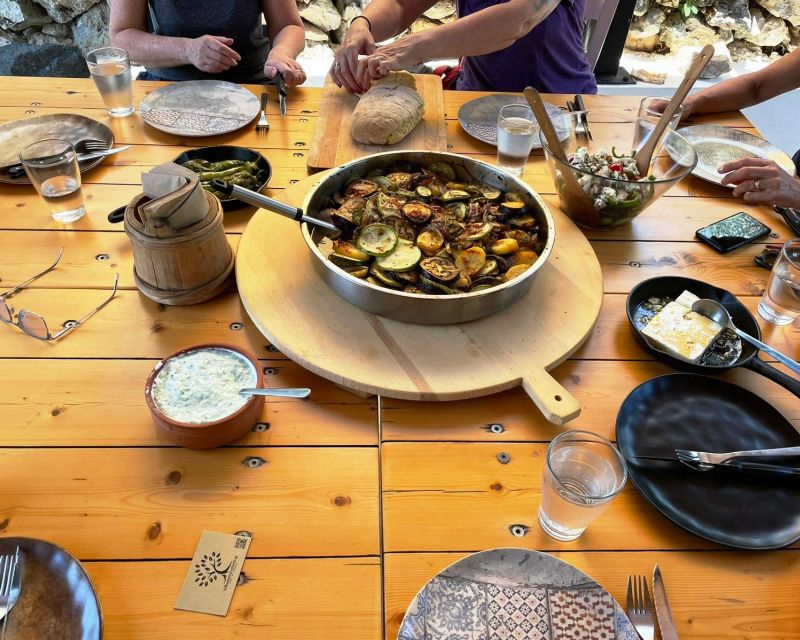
514	594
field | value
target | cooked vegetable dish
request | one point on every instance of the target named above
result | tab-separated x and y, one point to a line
615	187
420	230
239	172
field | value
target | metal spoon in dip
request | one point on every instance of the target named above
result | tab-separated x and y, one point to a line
301	392
719	314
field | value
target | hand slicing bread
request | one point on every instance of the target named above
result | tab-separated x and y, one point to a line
389	111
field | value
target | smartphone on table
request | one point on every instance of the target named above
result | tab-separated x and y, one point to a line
733	232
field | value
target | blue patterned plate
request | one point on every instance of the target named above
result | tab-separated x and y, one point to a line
514	594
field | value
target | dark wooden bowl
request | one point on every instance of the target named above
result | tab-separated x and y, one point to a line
207	435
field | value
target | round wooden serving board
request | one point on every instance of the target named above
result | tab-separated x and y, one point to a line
306	320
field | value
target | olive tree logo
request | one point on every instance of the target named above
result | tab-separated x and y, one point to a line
209	569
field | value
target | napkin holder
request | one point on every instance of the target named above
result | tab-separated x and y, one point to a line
180	266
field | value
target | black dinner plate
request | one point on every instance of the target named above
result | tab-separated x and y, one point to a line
217	154
701	413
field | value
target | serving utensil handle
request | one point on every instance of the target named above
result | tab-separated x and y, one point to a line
554	401
257	200
794	366
546	125
645	153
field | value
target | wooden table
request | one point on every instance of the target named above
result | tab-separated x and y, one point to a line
360	500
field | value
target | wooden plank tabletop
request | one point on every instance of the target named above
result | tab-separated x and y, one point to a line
360	500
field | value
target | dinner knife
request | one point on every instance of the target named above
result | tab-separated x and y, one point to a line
663	612
742	467
281	84
17	170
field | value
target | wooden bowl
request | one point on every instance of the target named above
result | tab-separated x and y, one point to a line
207	435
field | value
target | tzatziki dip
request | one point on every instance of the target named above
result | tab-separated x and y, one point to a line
203	385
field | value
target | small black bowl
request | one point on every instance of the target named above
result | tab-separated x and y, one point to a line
217	154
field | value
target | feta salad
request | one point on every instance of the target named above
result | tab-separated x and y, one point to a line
613	184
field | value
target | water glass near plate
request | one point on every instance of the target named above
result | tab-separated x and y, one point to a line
648	113
780	303
583	473
111	71
52	167
516	131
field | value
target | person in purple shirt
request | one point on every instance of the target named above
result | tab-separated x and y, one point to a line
505	45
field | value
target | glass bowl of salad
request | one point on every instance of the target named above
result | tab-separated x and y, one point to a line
605	167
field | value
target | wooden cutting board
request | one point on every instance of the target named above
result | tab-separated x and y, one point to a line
304	318
332	144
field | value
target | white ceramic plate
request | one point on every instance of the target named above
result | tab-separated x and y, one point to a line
199	108
716	145
514	593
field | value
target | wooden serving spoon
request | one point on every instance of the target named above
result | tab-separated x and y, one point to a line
645	153
573	197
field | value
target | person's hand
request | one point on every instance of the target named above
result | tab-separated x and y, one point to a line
658	105
358	41
392	57
212	54
761	181
278	61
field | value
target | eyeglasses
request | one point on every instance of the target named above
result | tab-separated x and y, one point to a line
32	323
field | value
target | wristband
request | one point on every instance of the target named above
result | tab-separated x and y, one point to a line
365	18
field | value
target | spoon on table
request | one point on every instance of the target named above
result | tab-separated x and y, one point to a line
574	197
719	314
301	392
645	153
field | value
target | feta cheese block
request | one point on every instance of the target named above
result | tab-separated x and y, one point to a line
681	332
687	299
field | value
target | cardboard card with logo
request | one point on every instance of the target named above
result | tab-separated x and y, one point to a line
213	574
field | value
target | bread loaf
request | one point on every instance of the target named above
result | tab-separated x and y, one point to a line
388	111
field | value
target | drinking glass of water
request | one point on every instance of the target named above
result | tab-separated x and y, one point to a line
111	71
780	303
583	473
516	130
52	168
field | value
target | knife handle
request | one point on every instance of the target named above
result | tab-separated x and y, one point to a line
281	84
771	469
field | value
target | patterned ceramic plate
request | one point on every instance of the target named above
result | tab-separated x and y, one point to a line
479	117
199	108
67	126
514	594
716	145
57	599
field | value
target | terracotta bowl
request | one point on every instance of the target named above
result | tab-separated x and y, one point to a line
207	435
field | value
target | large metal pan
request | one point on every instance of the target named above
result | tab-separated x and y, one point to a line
420	308
672	287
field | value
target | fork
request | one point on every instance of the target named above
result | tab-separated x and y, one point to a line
580	125
13	595
263	123
639	607
90	145
721	458
8	566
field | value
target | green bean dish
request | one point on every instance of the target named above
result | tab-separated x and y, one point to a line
239	172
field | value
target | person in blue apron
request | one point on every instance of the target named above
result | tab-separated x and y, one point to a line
204	40
756	180
505	45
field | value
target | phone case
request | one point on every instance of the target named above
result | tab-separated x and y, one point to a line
732	232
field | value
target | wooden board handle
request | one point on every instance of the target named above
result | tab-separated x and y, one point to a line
553	400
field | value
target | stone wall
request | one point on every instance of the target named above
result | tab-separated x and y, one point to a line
741	29
84	23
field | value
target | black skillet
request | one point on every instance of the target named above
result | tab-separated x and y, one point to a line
700	413
217	154
672	287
